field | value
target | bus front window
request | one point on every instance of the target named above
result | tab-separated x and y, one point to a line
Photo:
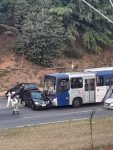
50	87
63	85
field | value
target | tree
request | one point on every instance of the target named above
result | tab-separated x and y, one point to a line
47	28
41	36
81	21
7	12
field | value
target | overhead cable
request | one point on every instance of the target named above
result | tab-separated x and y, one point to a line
98	11
111	3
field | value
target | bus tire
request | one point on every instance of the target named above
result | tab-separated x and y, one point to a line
77	102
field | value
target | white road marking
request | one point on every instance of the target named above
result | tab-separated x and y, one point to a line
21	126
62	114
29	125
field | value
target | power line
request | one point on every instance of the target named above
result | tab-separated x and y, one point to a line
99	11
111	3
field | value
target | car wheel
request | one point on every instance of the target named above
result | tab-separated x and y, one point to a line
77	102
33	107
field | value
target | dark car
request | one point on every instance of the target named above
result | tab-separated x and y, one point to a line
36	99
17	88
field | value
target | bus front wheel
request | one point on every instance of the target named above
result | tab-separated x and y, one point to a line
77	102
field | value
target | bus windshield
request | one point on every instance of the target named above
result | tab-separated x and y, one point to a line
49	87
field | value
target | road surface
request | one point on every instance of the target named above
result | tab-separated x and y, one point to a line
29	117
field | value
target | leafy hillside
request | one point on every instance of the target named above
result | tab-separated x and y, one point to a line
49	29
11	72
52	33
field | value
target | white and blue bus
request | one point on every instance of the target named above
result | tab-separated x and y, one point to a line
78	88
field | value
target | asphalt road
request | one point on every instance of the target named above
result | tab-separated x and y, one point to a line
29	117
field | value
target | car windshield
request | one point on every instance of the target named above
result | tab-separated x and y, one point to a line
37	96
31	86
16	87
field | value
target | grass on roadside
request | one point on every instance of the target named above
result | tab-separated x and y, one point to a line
70	135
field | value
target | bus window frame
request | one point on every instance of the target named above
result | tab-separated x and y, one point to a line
101	81
49	87
63	90
73	86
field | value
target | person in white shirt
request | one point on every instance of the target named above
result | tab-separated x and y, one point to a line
9	98
14	101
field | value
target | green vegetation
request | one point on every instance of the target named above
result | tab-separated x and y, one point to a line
47	28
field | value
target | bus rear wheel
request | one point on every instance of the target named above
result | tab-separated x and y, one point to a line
77	102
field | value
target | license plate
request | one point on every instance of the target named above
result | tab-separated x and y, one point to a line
43	105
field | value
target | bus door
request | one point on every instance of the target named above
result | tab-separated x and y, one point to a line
89	94
63	92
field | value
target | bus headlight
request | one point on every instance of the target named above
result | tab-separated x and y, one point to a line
54	102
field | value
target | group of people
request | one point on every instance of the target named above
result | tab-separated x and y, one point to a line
13	99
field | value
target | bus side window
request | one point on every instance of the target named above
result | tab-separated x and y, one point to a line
86	85
107	81
100	81
92	84
63	85
76	83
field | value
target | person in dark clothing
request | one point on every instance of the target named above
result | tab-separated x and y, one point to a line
22	92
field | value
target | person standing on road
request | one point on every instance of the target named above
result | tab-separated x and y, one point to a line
22	92
9	98
14	101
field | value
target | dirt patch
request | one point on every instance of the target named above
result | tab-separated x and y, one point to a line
108	148
12	64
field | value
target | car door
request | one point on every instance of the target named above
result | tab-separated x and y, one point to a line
27	98
30	99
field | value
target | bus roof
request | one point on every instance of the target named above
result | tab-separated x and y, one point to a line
106	73
71	75
81	74
98	69
58	75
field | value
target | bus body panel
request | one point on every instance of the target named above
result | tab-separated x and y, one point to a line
87	96
100	93
104	90
74	93
63	98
